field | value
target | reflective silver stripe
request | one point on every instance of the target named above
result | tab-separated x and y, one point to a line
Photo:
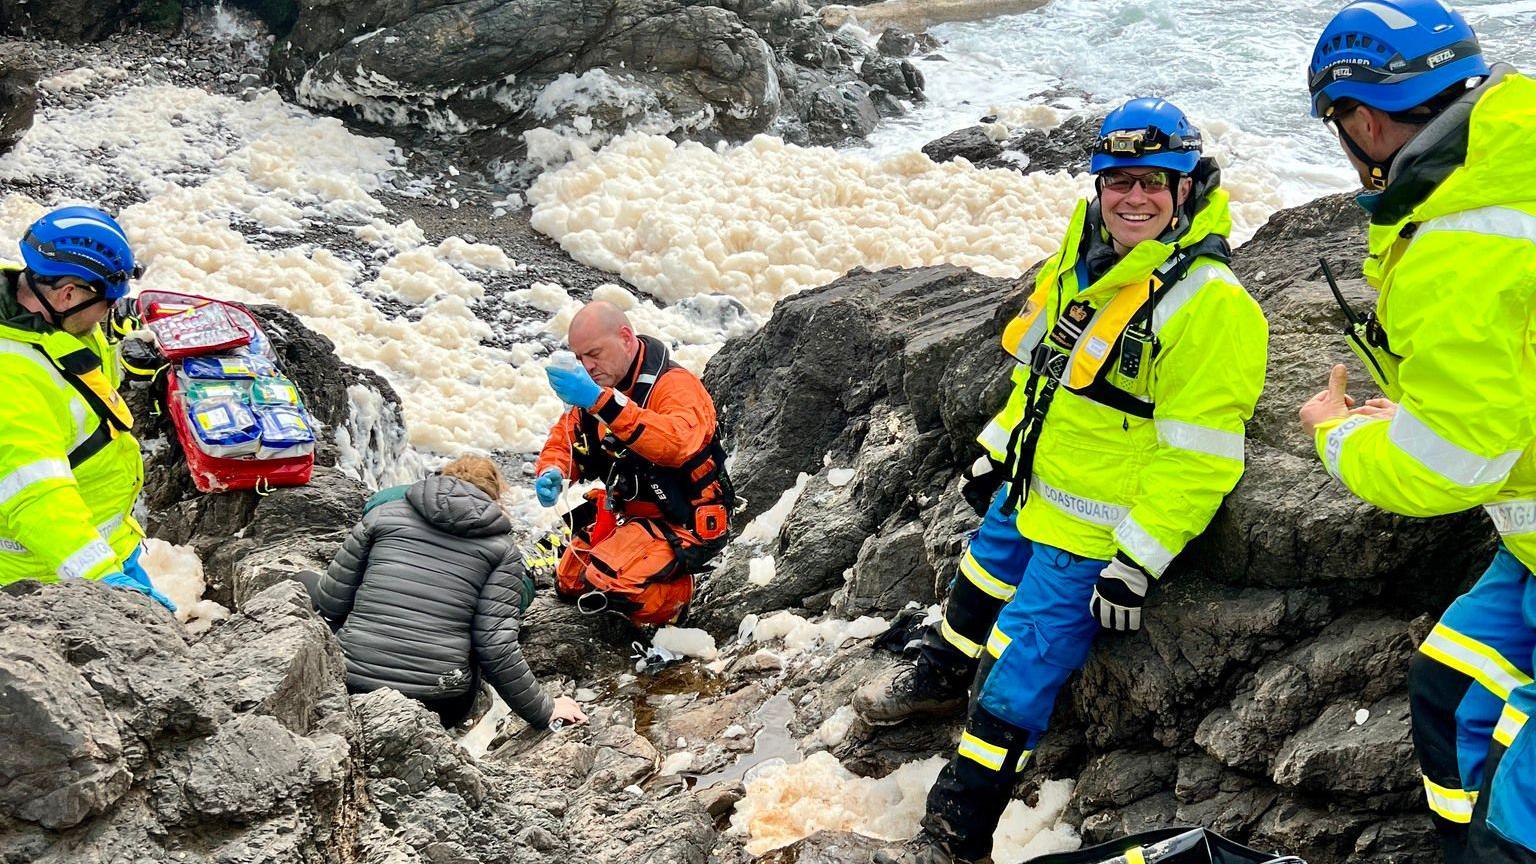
36	472
1184	290
1143	548
87	558
995	438
1086	509
105	529
985	754
1334	442
1476	660
1513	517
962	644
1200	439
977	575
1510	724
997	643
1454	805
1032	336
645	379
620	399
1492	221
1451	461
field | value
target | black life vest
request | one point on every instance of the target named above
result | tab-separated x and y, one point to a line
600	454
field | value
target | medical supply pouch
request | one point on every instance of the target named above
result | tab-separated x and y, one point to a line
286	432
228	368
241	423
223	427
275	390
188	326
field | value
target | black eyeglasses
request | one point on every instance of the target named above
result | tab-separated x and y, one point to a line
1152	182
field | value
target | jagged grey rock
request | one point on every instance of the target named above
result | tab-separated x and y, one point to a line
724	69
18	103
1064	148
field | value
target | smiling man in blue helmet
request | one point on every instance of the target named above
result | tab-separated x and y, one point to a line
70	469
1140	359
1443	143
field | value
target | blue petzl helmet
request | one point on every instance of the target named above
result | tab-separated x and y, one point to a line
1392	55
1145	133
82	242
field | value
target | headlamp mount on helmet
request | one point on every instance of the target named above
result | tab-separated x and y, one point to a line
1135	143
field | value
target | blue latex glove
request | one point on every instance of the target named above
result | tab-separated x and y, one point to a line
547	487
574	386
132	576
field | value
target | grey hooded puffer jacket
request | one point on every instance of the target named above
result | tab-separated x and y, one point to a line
427	585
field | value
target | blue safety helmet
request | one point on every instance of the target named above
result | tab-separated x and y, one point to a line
1392	55
82	242
1146	133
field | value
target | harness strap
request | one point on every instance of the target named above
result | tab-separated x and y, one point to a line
1050	365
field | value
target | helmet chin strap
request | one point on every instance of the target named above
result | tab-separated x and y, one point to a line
1378	169
60	316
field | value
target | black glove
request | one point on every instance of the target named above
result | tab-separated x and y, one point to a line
980	483
1119	594
123	319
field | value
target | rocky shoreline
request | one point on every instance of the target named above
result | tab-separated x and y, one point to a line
1265	697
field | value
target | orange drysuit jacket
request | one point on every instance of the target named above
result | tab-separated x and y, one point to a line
675	426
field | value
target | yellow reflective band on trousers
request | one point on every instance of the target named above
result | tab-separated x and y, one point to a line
989	756
1475	660
1464	434
1102	475
962	644
997	643
977	575
1453	805
1510	724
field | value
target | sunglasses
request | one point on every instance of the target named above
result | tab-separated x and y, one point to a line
1122	183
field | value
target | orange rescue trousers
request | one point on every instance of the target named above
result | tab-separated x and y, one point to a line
633	566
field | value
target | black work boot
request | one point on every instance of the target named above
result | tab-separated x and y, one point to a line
911	689
925	848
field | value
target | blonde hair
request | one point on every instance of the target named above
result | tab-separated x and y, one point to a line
479	472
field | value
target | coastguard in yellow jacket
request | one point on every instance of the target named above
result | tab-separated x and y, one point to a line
70	468
1140	359
1443	142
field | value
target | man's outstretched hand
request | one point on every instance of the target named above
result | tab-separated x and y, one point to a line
1331	404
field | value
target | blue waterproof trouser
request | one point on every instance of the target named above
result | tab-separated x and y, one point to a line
1475	658
1504	823
1038	596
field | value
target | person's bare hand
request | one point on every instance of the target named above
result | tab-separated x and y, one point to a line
568	712
1330	404
1378	409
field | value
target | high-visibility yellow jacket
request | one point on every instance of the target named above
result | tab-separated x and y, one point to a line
1457	283
68	479
1137	458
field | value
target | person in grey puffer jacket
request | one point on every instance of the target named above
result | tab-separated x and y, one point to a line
428	593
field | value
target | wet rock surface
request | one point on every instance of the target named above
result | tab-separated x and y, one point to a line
1058	149
18	103
589	70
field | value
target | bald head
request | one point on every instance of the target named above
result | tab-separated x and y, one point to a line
602	338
